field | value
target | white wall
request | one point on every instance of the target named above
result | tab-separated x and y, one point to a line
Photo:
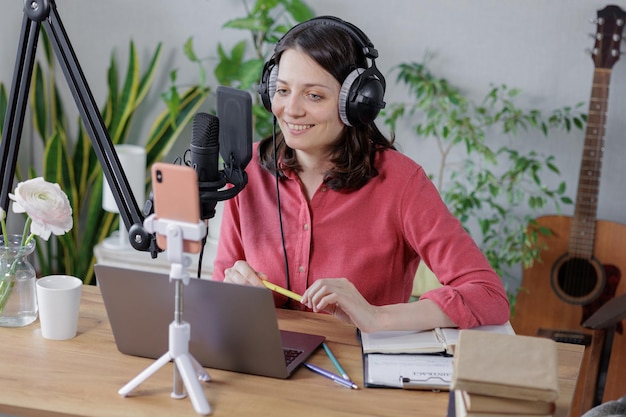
540	46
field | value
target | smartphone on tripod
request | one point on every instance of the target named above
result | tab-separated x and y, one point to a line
176	197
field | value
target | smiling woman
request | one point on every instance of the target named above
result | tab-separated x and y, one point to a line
345	217
305	105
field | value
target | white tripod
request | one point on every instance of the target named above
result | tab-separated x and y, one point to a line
186	366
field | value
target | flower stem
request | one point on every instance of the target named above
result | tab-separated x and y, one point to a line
26	237
4	232
6	287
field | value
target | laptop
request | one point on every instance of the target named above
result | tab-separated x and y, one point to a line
233	327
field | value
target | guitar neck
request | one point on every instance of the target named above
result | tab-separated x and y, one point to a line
583	225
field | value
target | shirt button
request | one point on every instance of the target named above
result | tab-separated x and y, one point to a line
306	226
301	269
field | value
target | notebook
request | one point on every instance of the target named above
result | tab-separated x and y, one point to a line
233	327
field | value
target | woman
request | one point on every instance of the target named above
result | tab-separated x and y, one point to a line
357	216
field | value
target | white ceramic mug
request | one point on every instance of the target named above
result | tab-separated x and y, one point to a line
59	303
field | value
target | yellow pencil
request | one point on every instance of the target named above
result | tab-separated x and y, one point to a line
282	291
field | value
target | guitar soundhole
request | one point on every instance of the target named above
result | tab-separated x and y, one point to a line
577	280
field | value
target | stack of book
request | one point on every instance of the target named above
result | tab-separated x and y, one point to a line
413	360
498	374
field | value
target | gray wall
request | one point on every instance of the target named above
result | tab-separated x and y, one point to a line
539	46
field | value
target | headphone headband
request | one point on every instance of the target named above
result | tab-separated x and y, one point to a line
357	34
361	95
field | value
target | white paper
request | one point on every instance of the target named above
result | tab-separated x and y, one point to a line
426	370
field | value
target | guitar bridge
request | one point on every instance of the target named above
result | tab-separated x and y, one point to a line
565	336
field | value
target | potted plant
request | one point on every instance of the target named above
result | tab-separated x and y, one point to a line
70	161
494	188
265	23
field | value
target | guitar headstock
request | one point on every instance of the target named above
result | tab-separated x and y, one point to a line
606	50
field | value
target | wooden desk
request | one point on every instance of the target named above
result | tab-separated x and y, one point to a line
40	377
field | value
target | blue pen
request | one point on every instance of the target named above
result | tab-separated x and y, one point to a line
335	362
331	376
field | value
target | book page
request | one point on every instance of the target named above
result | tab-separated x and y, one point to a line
451	335
401	342
409	371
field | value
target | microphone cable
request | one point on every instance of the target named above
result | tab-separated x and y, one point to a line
280	215
201	253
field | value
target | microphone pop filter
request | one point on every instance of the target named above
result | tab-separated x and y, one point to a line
234	109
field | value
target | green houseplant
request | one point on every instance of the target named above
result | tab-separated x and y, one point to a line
493	187
265	23
70	161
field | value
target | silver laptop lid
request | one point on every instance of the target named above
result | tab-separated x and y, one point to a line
233	327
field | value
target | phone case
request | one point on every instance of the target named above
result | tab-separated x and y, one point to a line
176	197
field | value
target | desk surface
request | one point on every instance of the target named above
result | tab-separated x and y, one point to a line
40	377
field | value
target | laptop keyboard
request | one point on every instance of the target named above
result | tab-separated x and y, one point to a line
291	355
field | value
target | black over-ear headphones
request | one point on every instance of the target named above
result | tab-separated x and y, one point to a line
362	92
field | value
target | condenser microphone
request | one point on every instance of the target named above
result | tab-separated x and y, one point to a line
204	152
230	135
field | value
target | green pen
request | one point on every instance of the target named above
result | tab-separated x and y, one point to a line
335	362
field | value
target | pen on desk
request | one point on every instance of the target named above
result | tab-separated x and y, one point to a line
335	362
335	378
282	291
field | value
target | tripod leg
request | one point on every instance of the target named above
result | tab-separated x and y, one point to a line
145	374
200	372
196	394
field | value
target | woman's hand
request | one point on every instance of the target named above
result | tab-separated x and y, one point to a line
339	297
242	273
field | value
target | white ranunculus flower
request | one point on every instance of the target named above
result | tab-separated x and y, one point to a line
46	204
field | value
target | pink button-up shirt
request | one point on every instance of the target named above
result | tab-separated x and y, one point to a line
375	237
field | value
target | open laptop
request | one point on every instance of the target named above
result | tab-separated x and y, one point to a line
233	327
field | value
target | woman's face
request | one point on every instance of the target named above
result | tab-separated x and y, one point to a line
306	103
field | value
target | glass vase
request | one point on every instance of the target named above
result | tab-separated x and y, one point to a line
18	298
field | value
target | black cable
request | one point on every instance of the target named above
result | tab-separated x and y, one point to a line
201	254
280	215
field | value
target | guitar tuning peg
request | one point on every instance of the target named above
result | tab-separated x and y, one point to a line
596	36
619	22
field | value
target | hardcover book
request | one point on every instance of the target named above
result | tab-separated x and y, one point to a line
504	365
462	411
487	404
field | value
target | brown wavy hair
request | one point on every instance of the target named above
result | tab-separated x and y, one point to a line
354	153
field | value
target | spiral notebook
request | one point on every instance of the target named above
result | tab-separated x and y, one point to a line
233	327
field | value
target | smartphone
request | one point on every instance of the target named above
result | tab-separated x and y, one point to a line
176	197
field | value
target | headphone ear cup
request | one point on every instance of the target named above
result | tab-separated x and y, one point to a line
267	87
345	95
271	84
360	98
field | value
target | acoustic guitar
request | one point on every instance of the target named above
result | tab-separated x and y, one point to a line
583	260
